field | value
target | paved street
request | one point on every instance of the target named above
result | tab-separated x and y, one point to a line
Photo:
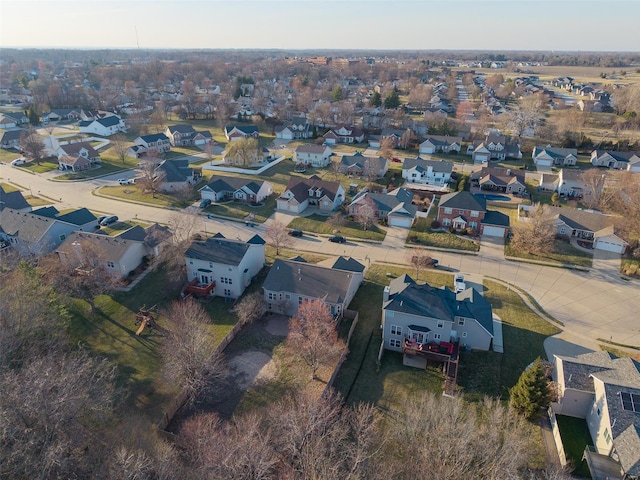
592	305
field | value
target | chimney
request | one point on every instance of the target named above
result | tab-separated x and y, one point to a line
385	294
508	172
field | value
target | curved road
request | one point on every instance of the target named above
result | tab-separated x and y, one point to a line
592	305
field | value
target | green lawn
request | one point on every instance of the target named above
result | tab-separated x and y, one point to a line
575	437
320	224
134	194
8	154
563	253
493	374
45	165
241	209
442	240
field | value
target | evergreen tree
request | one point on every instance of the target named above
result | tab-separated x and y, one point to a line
531	393
392	100
337	94
375	100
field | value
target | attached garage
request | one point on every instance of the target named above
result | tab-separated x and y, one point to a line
403	221
491	231
289	205
481	158
610	243
495	224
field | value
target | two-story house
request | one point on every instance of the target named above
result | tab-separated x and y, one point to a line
344	134
547	157
221	188
361	166
392	135
153	144
289	283
304	192
506	180
440	143
187	136
617	160
295	129
423	314
222	267
461	210
240	132
41	231
427	172
494	147
605	391
77	156
317	156
570	184
104	126
177	174
395	207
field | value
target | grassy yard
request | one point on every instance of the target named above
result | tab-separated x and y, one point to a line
493	374
8	154
563	253
45	165
631	266
321	224
241	209
134	194
575	437
359	378
442	240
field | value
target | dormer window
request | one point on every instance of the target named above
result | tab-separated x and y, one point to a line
630	401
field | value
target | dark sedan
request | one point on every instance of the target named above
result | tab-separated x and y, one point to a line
337	239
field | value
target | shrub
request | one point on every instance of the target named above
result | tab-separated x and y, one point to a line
435	224
452	230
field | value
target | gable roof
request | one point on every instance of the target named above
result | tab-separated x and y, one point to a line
309	280
181	129
463	201
623	157
154	137
73	149
12	135
421	165
442	140
309	148
245	129
218	249
581	219
13	200
300	187
109	121
113	248
175	170
360	161
219	183
388	202
555	152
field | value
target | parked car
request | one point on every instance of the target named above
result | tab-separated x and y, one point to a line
458	284
337	239
205	203
295	233
126	181
396	160
18	161
101	218
109	220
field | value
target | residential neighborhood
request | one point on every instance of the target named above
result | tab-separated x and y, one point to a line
235	233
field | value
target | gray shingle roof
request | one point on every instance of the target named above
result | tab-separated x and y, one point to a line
111	248
496	218
13	200
231	184
420	164
175	170
218	250
463	201
154	137
182	129
300	187
110	121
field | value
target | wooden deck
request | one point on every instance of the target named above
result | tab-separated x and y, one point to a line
450	362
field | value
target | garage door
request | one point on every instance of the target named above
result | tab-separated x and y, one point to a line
481	158
397	221
608	246
493	231
427	150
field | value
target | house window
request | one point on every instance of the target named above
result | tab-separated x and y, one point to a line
227	293
607	436
436	336
440	324
287	296
446	222
475	214
395	343
460	212
562	231
473	225
461	321
299	300
396	330
630	401
62	237
448	210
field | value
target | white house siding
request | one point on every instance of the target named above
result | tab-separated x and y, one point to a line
131	259
597	423
575	403
291	205
610	243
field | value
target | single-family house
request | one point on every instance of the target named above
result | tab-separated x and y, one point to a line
396	207
547	157
177	174
58	114
301	193
12	120
393	135
221	188
495	179
420	314
11	138
41	231
223	267
589	106
592	229
14	200
617	160
605	391
344	134
570	184
427	172
104	126
317	156
289	283
462	210
77	157
152	144
440	143
361	166
294	129
240	132
187	136
494	147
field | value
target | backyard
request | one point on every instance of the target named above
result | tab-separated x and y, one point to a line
575	437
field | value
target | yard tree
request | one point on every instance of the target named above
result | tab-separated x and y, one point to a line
182	228
336	169
149	177
601	188
386	148
392	100
365	215
278	236
188	348
157	121
526	115
313	335
32	145
536	234
531	393
242	153
420	95
251	308
407	140
337	94
375	100
419	259
119	146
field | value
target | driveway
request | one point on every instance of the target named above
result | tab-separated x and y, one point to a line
606	264
396	237
491	248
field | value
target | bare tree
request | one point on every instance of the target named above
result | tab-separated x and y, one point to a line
419	259
336	169
600	188
251	308
278	236
365	215
386	148
313	335
119	146
242	152
526	115
33	146
535	234
149	176
157	121
187	350
52	411
407	139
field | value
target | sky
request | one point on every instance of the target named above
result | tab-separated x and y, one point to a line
562	25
